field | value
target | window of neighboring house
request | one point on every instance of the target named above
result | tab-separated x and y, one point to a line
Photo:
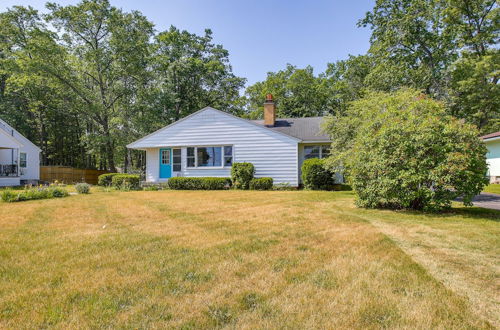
22	159
209	156
176	160
319	151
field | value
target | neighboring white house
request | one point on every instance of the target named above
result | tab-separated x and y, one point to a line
207	142
19	157
492	142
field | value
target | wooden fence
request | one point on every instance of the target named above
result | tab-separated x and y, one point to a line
69	174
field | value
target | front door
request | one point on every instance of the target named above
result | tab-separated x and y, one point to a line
165	163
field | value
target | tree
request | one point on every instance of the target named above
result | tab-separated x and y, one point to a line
107	52
298	93
191	73
430	45
402	150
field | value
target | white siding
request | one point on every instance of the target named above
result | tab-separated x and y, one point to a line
273	154
493	158
9	182
32	170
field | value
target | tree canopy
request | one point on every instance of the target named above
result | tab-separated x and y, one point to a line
82	81
402	150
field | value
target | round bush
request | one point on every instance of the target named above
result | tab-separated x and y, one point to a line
402	150
242	174
105	180
316	176
126	181
82	188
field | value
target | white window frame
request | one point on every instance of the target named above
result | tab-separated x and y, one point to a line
174	163
320	146
25	160
209	146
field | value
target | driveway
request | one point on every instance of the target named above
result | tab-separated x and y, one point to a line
489	201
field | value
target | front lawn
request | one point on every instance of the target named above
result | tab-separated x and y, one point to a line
492	188
243	259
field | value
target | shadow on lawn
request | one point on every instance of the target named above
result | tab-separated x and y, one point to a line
473	213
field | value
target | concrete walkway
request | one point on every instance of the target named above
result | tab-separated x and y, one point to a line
488	201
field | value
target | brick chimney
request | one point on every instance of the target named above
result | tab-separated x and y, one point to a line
269	111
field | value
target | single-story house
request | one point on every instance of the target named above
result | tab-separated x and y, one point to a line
492	142
209	141
19	158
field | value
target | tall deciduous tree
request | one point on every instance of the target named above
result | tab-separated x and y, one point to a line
107	54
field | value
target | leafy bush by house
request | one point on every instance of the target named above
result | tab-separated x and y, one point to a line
402	150
126	181
203	183
82	188
242	174
105	180
10	195
316	176
261	184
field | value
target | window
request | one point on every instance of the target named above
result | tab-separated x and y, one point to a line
209	156
325	151
176	160
228	156
190	157
311	152
23	159
165	157
319	151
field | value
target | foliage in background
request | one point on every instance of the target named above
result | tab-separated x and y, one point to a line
316	176
402	150
86	79
242	174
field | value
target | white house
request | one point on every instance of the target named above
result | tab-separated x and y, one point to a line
19	158
492	142
207	142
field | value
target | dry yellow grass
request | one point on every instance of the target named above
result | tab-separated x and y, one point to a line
234	259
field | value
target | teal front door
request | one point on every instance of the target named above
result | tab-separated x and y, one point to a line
165	163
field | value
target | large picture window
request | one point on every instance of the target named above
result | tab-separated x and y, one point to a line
211	156
319	151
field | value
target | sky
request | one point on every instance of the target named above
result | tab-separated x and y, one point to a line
261	36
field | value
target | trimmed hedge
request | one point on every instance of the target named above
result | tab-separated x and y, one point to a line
106	179
315	176
32	194
126	181
261	184
242	174
203	183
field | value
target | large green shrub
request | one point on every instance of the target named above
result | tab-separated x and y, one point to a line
126	181
261	184
316	176
105	180
27	194
402	150
242	174
203	183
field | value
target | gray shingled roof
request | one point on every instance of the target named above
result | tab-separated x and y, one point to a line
306	129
